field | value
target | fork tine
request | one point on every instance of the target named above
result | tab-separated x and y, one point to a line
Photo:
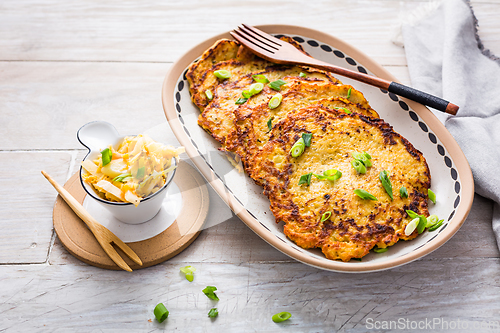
264	40
250	43
128	251
264	35
111	252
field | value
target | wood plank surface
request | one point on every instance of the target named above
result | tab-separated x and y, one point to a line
27	201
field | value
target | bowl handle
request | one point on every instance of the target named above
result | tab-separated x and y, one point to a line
97	135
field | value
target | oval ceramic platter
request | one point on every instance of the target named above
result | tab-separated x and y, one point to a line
451	175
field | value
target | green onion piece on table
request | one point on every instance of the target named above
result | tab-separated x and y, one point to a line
435	226
209	291
241	100
106	156
222	74
188	271
307	138
213	313
298	148
432	220
209	95
432	196
302	74
161	312
121	178
403	193
410	227
349	93
358	166
260	78
380	250
256	88
386	182
270	124
282	316
326	215
364	195
305	179
275	101
276	85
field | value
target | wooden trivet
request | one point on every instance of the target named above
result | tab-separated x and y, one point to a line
80	242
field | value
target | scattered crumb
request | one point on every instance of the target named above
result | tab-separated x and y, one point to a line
150	320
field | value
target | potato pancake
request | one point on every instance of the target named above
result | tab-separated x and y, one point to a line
317	212
355	225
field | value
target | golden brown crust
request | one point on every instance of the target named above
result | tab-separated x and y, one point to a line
356	225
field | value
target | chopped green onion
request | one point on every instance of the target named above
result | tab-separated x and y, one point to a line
410	227
422	220
260	78
222	74
305	179
358	166
188	271
140	173
363	157
209	95
241	100
432	196
282	316
411	214
349	93
364	195
161	312
403	193
331	174
307	138
256	88
106	156
432	220
386	182
276	85
209	291
121	178
302	74
275	101
326	215
435	226
346	110
298	148
246	94
213	313
380	250
270	124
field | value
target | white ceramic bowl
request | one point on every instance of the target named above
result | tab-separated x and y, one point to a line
98	135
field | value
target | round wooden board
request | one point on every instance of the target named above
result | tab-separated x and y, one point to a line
81	243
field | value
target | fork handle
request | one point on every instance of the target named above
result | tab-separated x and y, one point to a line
394	87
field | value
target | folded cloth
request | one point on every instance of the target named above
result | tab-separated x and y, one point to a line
446	58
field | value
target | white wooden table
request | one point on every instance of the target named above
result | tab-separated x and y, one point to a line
65	63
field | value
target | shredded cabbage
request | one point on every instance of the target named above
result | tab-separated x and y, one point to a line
148	162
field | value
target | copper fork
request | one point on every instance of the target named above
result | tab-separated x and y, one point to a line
105	237
281	52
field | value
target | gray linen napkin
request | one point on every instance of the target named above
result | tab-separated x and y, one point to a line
446	58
